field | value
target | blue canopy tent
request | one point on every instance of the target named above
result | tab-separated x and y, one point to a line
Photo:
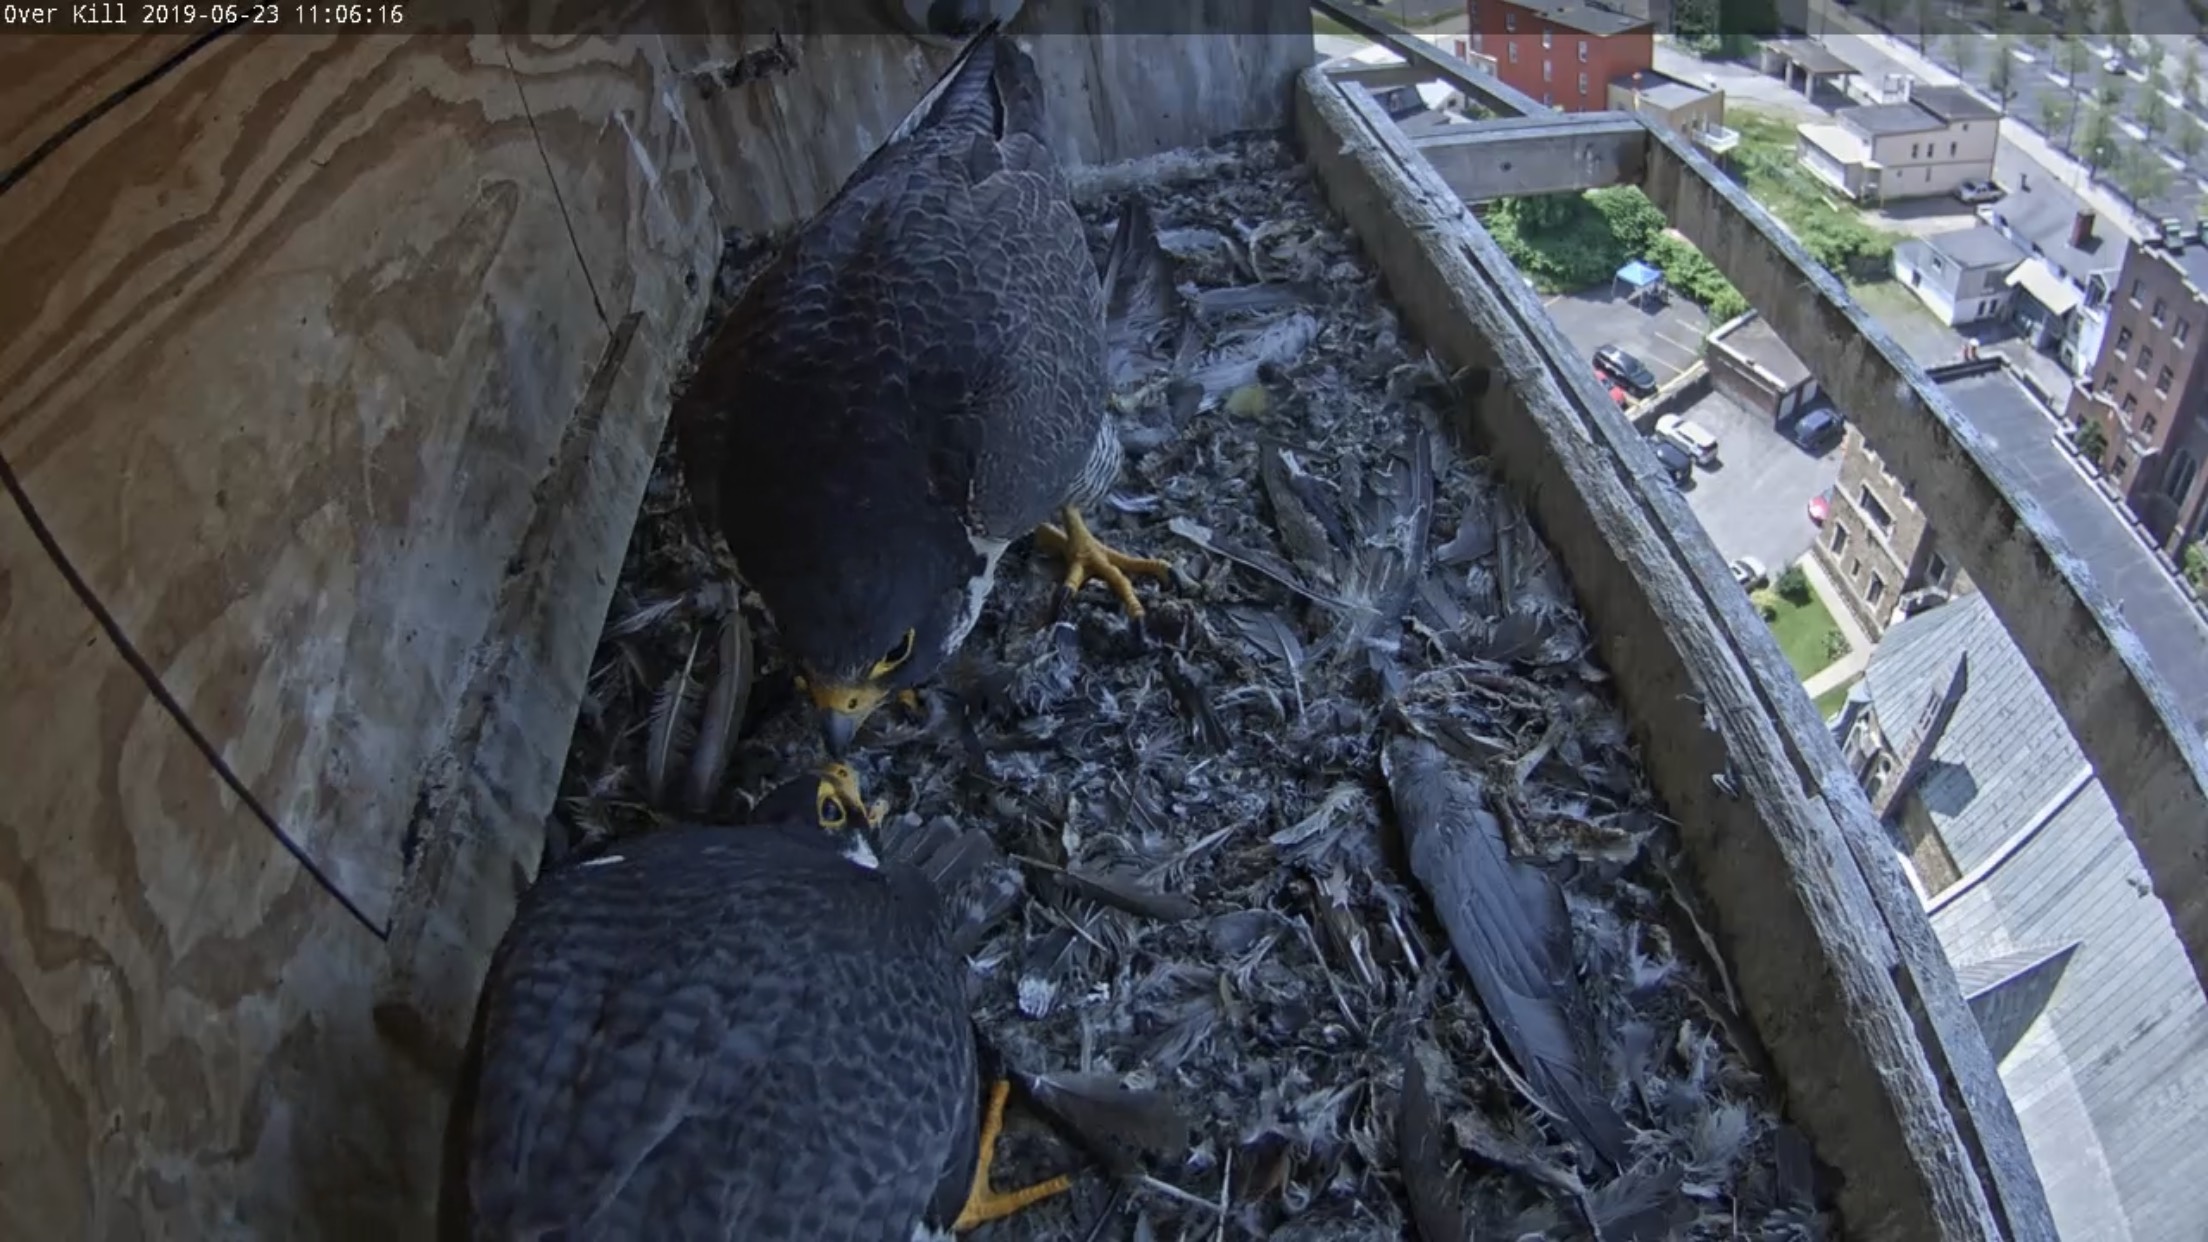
1640	282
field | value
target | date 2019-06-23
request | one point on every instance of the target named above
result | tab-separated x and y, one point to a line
145	15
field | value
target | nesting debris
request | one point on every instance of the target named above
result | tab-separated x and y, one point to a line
1204	924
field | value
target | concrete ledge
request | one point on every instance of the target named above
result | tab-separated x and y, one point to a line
2152	763
1882	1065
1538	155
1484	89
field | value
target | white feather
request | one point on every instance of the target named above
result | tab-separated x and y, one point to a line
858	851
605	859
977	589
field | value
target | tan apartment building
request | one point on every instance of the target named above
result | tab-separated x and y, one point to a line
2148	389
1876	545
1694	111
1940	138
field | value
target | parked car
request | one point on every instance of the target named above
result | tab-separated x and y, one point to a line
1626	369
1976	192
1749	572
1818	430
1819	510
1692	438
1677	465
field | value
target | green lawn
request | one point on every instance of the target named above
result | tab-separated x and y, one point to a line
1804	632
1828	703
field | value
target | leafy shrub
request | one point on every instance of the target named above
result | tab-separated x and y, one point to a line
1696	277
1793	586
2196	567
1560	240
2090	441
1836	644
1767	604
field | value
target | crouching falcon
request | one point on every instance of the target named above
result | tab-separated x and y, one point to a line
915	381
673	1043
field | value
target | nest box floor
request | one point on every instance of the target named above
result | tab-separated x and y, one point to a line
1352	862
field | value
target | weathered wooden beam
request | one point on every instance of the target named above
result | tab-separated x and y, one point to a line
1871	1039
1537	155
2150	761
1485	89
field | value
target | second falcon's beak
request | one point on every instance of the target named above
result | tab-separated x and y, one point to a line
836	731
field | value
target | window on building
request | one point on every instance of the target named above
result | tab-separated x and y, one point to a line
1875	779
1583	83
1514	53
2146	359
2108	382
2136	285
1510	22
1913	149
1583	51
2161	308
1875	511
1951	148
2123	341
1548	71
2121	468
2184	329
1935	570
1839	539
1479	41
1855	568
1547	40
2162	381
1876	591
2148	428
2131	402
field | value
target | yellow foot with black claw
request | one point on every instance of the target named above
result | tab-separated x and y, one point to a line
984	1204
1088	557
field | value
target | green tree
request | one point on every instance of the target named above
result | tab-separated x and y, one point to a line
2001	74
2188	76
2115	25
2141	174
2187	136
2075	60
2196	568
2090	441
1963	50
2097	140
2057	113
2154	55
2108	90
2154	110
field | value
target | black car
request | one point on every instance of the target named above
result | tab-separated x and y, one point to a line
1626	370
1818	430
1675	461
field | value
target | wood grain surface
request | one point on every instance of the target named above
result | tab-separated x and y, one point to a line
335	368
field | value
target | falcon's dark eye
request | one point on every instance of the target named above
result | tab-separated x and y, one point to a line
896	655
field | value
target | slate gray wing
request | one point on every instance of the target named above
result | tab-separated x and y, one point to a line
933	337
721	1033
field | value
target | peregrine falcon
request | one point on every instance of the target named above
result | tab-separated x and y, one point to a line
672	1043
915	381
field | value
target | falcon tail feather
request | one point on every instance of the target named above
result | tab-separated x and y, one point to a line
965	87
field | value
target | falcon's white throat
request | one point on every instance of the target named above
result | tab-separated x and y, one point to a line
977	590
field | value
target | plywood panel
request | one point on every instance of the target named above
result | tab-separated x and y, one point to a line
296	334
47	83
184	1043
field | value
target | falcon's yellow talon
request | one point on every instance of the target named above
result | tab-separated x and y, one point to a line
984	1204
1089	557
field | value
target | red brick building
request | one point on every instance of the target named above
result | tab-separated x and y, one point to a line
1564	53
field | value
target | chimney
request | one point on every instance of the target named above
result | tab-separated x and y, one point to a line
2081	230
2024	180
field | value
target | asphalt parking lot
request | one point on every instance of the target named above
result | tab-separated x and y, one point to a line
1667	338
1756	503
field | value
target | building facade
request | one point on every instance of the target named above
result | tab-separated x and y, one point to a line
2063	289
1940	138
1876	545
2149	389
1749	362
1564	54
1961	275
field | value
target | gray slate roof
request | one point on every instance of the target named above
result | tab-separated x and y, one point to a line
1979	246
2111	1080
1952	103
2041	211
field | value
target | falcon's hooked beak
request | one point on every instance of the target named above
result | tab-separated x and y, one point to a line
842	710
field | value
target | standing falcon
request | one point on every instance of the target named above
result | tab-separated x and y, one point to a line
674	1043
915	381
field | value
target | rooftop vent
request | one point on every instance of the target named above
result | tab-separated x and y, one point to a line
2081	230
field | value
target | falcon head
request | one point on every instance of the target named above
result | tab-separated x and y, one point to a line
885	623
829	798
